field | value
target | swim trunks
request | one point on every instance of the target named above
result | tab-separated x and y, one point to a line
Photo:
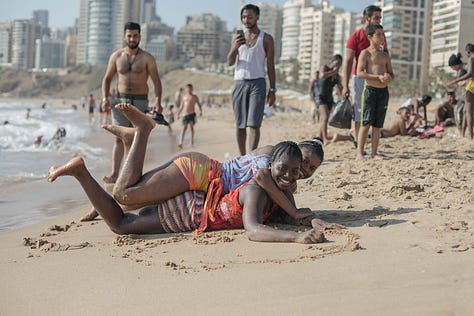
239	170
190	118
374	107
140	101
182	213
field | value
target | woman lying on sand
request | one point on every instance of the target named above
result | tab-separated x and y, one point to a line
196	171
247	206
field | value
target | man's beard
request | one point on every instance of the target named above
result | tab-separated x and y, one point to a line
132	45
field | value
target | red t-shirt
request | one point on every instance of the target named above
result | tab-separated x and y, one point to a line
357	42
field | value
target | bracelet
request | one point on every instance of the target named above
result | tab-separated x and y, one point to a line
105	99
272	90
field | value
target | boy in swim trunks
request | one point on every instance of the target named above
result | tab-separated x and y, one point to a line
188	110
375	68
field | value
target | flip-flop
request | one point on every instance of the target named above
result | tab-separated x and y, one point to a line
159	119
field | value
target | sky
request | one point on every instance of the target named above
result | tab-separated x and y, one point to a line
62	13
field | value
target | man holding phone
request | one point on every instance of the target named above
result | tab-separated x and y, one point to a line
251	51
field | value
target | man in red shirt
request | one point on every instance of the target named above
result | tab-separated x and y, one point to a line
356	43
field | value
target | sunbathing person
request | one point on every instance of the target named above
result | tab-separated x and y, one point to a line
191	171
401	125
246	207
444	114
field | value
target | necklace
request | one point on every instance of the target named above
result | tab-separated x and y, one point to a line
130	63
252	40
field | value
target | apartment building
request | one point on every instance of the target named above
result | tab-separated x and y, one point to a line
100	28
291	28
316	39
452	28
203	38
5	43
24	35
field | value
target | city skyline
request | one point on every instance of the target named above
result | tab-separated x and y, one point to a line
173	13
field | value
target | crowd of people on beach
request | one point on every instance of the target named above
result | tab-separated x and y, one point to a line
193	192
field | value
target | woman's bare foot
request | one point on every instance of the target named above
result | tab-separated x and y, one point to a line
122	132
69	169
139	120
89	216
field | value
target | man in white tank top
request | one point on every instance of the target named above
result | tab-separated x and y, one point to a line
250	52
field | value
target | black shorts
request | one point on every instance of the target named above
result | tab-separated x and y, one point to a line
374	106
190	118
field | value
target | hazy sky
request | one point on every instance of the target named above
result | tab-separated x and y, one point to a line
172	12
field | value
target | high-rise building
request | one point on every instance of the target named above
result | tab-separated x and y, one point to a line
345	24
24	35
50	53
452	26
316	39
291	28
405	24
100	28
5	43
41	17
202	39
270	22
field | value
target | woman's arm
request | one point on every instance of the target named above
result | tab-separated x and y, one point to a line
283	200
254	202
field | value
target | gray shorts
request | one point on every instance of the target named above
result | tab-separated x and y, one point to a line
358	87
248	100
139	101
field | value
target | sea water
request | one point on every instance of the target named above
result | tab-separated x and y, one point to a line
24	165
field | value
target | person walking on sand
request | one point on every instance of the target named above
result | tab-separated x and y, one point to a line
469	96
375	68
314	91
133	66
92	106
250	51
356	43
330	78
177	97
188	111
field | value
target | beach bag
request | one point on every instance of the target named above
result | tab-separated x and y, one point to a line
341	117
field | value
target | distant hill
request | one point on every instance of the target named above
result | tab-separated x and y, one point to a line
73	83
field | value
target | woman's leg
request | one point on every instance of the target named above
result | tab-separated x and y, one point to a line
107	207
157	185
323	122
469	112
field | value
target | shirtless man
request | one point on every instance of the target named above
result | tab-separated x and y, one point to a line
188	110
444	114
133	67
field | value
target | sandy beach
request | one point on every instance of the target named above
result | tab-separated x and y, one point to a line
408	247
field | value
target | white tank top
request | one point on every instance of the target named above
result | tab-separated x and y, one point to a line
251	60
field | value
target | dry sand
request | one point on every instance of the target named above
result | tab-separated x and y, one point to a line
408	247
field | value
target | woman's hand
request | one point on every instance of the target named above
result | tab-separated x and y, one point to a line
312	236
319	224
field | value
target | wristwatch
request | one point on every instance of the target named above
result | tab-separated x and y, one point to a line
272	90
104	99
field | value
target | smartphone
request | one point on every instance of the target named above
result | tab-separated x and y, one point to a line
240	33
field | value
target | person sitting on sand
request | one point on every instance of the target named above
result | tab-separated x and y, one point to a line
444	114
191	171
245	207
